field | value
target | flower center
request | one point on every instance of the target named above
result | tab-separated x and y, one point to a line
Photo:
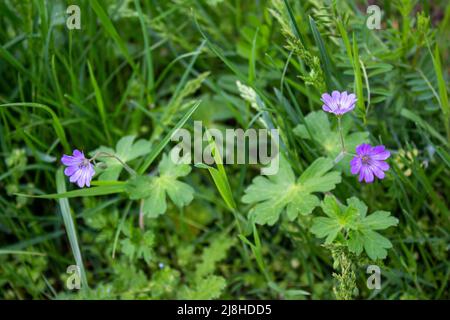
84	163
365	159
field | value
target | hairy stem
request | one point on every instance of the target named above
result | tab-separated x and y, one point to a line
141	215
341	134
106	154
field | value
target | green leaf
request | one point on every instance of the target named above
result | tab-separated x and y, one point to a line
375	244
358	84
325	227
380	220
138	245
139	187
339	218
158	187
272	194
213	254
70	226
219	175
354	226
317	127
86	192
126	151
205	289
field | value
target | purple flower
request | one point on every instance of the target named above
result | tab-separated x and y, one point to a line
79	169
370	161
338	103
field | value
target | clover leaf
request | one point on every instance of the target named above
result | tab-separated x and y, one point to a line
317	127
353	227
272	194
126	151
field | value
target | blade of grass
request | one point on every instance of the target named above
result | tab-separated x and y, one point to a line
59	130
358	84
148	52
408	114
175	101
70	226
160	146
100	104
252	61
109	27
294	25
88	192
443	97
31	253
324	56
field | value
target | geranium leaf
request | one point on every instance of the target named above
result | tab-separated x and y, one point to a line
356	228
181	194
273	194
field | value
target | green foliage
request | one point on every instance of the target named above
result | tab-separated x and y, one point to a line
345	288
351	226
283	191
317	127
138	244
206	288
315	76
126	150
138	70
153	189
213	254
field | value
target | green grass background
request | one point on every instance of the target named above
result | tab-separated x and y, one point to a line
136	66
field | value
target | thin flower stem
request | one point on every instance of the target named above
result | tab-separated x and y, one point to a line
106	154
339	157
141	215
340	134
343	152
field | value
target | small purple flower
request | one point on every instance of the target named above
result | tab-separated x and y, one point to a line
79	169
338	103
370	161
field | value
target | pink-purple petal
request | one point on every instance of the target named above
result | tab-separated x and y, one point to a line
361	174
343	99
70	170
78	153
355	164
338	103
70	161
378	172
381	155
382	165
371	162
326	108
82	180
79	169
362	149
368	175
336	95
76	175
